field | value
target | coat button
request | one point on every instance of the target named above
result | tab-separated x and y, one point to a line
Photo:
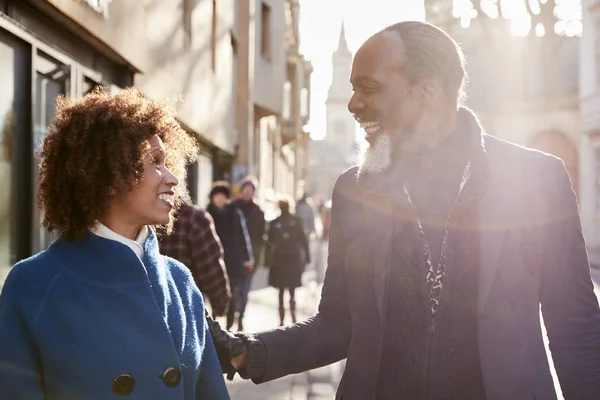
171	377
123	384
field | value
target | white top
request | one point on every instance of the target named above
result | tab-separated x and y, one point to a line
136	245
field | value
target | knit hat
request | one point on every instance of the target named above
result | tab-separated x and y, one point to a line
220	187
249	181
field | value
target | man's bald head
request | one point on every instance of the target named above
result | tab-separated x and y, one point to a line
430	52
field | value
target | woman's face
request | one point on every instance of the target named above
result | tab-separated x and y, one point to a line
151	200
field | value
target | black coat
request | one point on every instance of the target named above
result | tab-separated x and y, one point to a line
229	230
530	249
287	266
255	219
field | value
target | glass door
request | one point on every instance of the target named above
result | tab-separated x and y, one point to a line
14	77
52	79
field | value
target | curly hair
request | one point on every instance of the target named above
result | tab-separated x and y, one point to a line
96	146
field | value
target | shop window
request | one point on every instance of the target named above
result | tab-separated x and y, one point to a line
596	18
14	124
265	37
597	156
213	36
89	85
52	79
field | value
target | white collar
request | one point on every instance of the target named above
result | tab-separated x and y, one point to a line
136	245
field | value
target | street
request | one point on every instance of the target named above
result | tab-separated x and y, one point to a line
314	385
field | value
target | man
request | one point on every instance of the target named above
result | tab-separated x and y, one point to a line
443	244
255	221
230	225
195	243
305	212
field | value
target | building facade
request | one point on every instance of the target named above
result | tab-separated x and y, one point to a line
232	68
589	79
338	150
272	92
524	89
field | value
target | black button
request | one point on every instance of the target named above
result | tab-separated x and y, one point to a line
123	384
171	377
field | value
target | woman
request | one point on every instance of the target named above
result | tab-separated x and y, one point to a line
287	254
231	228
101	313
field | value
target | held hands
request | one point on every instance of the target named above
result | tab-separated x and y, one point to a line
238	361
228	347
233	349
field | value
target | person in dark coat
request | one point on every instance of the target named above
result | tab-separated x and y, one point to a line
287	253
255	220
444	243
237	251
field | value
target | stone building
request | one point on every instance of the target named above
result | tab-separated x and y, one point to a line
589	83
524	89
337	151
272	99
227	60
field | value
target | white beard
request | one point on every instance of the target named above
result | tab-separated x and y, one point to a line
377	157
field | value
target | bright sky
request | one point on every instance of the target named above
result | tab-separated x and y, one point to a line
320	29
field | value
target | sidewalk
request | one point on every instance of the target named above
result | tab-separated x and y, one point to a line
262	314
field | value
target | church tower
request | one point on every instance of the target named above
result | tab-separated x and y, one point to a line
341	127
337	151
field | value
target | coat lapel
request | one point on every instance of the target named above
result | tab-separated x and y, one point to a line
491	240
492	233
378	227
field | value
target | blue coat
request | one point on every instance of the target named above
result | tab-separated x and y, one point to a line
90	320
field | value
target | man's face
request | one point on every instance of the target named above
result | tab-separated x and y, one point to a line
384	100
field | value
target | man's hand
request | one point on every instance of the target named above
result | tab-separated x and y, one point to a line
238	361
228	346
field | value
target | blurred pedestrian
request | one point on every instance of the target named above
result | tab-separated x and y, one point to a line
231	228
287	255
444	242
306	213
195	243
102	313
326	219
255	220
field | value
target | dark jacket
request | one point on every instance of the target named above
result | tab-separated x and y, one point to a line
229	229
530	251
255	218
286	264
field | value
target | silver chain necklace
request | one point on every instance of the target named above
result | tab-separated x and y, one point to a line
435	276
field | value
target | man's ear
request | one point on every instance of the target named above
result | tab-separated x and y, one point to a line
431	89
